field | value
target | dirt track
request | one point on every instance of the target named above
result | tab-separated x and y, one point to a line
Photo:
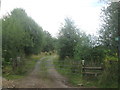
46	77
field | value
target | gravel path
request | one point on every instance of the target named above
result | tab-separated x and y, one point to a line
40	78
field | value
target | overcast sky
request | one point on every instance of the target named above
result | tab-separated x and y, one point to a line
49	14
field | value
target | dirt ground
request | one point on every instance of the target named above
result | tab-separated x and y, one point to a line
39	78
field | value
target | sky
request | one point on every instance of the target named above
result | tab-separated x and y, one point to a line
49	14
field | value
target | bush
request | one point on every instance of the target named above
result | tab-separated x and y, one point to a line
109	78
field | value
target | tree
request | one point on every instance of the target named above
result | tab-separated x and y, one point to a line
109	30
20	36
82	47
67	39
49	42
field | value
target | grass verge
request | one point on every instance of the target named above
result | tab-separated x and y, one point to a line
25	68
74	79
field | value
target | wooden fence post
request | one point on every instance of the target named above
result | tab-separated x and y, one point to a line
83	65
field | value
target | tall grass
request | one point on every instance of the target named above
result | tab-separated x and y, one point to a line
109	78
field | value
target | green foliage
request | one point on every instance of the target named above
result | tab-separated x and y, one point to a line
67	40
109	78
89	51
109	29
82	48
21	36
87	48
49	42
108	33
111	58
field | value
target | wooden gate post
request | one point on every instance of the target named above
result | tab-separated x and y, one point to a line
83	65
